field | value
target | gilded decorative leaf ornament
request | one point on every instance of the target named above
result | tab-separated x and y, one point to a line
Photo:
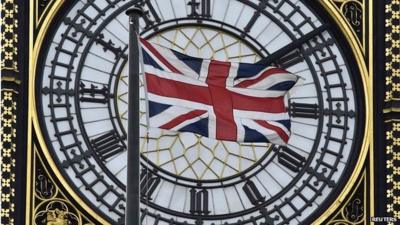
56	212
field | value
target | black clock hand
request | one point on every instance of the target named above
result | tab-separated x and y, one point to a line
290	47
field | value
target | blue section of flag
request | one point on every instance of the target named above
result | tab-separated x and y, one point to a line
192	62
285	123
251	135
199	127
147	59
283	86
247	70
157	108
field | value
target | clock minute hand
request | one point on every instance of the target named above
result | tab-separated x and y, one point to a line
290	47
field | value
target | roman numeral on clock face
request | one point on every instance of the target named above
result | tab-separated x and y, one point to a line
252	192
205	9
290	59
107	145
291	159
110	46
255	16
148	183
199	201
148	13
94	94
304	110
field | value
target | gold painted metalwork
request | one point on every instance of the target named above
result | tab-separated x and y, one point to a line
8	106
46	5
370	54
34	124
392	127
355	17
202	42
393	168
330	8
367	146
50	204
9	36
353	211
8	146
392	55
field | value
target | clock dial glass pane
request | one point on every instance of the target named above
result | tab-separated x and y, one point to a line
82	106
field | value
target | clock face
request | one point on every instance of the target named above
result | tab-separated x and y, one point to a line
186	178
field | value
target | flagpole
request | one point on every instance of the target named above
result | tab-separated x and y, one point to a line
132	210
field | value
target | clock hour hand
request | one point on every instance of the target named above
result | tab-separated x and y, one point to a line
274	57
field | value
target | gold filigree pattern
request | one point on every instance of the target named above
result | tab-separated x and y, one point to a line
207	43
41	6
393	169
392	53
354	12
352	212
392	68
8	135
8	132
51	206
9	36
56	212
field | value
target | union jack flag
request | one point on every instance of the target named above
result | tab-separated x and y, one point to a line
221	100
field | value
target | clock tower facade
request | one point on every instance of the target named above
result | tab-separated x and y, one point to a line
64	113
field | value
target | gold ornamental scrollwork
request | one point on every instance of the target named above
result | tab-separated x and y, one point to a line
56	212
41	8
353	211
44	187
354	12
51	206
